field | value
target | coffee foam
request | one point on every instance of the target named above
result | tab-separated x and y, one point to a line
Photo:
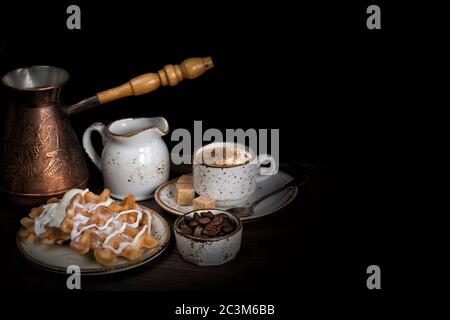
224	156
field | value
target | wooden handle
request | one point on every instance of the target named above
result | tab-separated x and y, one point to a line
169	75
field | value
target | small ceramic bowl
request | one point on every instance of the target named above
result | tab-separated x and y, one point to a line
211	251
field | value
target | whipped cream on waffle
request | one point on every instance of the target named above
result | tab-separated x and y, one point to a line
54	213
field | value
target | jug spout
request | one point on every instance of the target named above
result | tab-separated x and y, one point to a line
136	127
161	125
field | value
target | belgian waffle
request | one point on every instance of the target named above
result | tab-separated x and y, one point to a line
92	223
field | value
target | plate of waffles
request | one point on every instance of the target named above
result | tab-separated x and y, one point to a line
93	232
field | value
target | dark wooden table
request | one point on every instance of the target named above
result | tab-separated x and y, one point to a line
281	249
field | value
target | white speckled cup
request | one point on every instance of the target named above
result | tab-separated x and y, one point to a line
209	252
231	184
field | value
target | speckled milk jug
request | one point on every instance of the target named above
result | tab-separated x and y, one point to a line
135	158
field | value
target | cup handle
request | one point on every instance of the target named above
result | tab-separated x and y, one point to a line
267	171
87	142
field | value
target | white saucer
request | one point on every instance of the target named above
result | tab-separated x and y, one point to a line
57	258
165	197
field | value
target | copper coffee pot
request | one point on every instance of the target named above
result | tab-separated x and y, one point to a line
41	156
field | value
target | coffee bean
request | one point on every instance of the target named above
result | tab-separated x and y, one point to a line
208	214
223	215
216	221
185	229
193	223
188	219
227	227
204	220
207	224
198	231
211	231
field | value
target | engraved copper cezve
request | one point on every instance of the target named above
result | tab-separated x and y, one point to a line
40	156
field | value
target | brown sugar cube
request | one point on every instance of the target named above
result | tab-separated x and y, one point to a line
204	202
184	191
184	194
185	179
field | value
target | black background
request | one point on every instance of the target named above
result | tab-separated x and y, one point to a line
316	72
313	71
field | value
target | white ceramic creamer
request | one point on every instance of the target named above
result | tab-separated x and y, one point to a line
135	159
